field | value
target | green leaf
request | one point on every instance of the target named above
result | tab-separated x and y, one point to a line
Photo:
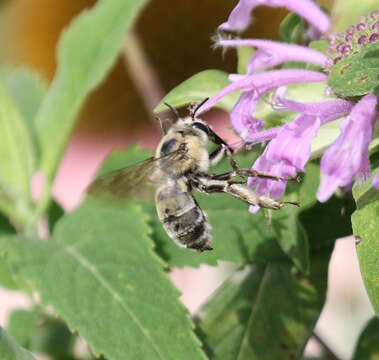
22	324
349	12
6	279
54	213
244	55
368	344
123	158
357	74
320	45
291	29
198	87
365	228
101	276
10	350
51	336
264	312
17	161
86	52
41	333
27	89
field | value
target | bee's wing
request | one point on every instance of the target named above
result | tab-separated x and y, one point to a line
137	182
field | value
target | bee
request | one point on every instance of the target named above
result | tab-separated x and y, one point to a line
179	166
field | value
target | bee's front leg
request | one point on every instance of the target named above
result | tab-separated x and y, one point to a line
213	184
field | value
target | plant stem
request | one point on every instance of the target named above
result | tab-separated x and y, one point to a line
142	73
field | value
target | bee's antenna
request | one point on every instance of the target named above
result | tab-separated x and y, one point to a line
198	107
175	112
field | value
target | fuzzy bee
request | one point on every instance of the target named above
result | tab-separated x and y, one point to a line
181	165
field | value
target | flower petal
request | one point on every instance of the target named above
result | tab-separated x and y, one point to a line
273	53
347	157
261	83
241	115
326	110
375	182
273	188
239	18
293	143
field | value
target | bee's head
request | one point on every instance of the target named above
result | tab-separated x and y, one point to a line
196	126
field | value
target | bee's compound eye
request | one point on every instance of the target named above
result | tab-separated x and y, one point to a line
168	146
200	126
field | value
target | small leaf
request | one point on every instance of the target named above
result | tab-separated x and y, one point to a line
101	276
264	312
10	350
55	212
365	228
320	45
17	161
6	279
41	333
52	337
357	74
291	29
368	344
198	87
86	51
22	324
244	55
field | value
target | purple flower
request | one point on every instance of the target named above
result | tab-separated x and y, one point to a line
263	186
255	86
348	156
290	148
272	53
239	18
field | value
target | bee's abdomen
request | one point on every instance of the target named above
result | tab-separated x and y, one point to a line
183	219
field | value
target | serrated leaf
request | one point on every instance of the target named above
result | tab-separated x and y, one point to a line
365	227
291	28
10	350
264	312
368	344
86	51
17	161
357	74
101	276
198	87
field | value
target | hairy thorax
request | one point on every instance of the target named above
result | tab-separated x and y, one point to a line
195	157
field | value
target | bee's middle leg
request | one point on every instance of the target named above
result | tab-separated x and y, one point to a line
213	184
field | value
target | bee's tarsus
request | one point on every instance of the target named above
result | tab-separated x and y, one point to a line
282	203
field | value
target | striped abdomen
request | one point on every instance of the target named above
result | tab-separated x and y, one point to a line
182	217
